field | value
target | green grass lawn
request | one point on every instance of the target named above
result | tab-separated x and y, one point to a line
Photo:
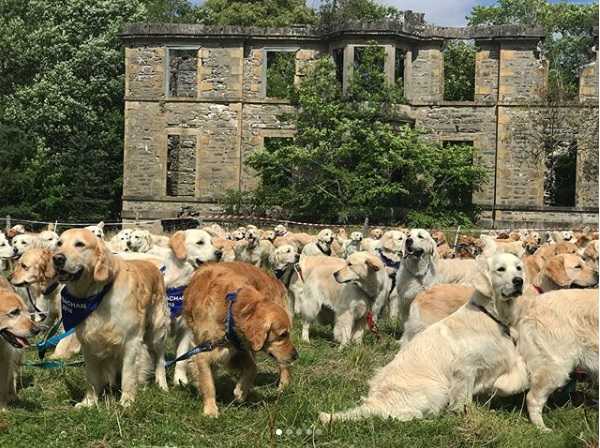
324	378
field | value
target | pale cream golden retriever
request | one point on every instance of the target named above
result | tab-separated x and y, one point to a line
322	245
16	326
470	352
129	325
558	332
341	292
260	322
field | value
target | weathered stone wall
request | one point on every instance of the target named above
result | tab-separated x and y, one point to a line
145	145
520	176
181	165
260	121
523	73
588	83
486	72
465	123
145	71
221	71
224	114
253	83
427	81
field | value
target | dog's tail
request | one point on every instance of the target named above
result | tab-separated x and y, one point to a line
358	413
365	411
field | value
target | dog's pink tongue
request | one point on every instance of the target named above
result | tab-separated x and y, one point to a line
23	342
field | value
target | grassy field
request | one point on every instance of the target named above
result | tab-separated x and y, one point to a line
324	379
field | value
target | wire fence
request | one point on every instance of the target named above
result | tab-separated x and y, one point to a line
228	221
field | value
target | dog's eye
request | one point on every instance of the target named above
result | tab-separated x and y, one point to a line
501	269
577	267
59	243
79	244
519	268
284	334
25	267
14	313
421	236
200	243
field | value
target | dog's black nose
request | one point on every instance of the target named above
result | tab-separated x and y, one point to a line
518	281
409	241
15	250
218	254
59	260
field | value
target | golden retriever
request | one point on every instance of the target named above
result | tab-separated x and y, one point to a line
16	326
558	332
129	325
342	292
468	353
261	323
322	246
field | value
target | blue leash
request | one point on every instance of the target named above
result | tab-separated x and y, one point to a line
230	335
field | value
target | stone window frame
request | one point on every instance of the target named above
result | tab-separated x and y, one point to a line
389	64
167	76
281	49
165	154
275	133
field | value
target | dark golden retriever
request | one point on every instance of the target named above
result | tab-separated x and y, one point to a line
261	323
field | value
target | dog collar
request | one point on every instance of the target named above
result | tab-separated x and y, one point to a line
505	328
50	289
230	333
388	261
326	252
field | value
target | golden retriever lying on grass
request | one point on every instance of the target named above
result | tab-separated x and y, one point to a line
468	353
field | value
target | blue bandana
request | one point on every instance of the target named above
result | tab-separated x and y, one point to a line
175	300
76	310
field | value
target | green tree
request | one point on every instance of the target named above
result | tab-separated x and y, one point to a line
333	12
568	29
351	158
265	13
61	91
459	71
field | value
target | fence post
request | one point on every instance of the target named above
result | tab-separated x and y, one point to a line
8	226
456	237
365	227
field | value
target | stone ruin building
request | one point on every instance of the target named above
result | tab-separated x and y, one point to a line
198	102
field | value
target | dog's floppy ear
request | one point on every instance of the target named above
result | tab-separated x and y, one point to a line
482	282
104	269
372	263
434	251
177	245
254	325
47	267
148	240
555	269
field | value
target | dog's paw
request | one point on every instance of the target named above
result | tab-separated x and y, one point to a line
180	379
240	393
325	418
85	403
125	401
211	411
